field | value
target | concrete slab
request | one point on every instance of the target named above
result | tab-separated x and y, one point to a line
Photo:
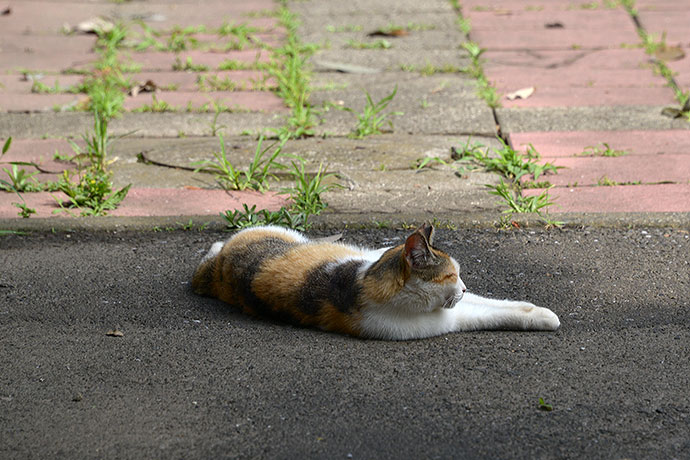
358	7
155	125
431	40
613	118
622	198
438	104
363	21
375	153
392	60
568	144
234	101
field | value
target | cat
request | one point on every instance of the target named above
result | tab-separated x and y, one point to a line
410	291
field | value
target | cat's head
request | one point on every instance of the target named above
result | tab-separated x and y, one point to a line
415	276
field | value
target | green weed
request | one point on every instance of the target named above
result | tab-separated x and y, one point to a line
215	83
24	211
156	106
604	150
188	66
21	180
371	120
91	192
250	217
427	162
288	68
544	406
307	191
509	163
513	165
254	177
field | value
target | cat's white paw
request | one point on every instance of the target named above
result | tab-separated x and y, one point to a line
542	319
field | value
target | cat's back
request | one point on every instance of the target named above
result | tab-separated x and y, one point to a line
275	271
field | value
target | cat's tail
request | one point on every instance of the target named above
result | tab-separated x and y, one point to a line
202	281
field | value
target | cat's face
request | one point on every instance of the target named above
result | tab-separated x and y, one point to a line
434	277
416	277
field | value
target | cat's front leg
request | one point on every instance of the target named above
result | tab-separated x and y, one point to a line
474	312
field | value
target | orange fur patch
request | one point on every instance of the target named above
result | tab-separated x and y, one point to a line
382	288
331	319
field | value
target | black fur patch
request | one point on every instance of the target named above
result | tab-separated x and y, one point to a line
246	262
337	285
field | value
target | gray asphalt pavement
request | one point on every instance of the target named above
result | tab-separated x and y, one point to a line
192	378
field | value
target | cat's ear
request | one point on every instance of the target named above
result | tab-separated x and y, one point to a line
417	251
428	231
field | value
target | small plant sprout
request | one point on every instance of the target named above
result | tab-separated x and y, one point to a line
307	191
544	406
603	150
514	166
254	177
371	120
427	162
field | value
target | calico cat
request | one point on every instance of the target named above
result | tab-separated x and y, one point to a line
409	291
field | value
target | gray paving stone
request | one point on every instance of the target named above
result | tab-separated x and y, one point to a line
394	60
587	119
438	104
359	7
38	125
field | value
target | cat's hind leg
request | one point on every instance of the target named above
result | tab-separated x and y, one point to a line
203	276
473	312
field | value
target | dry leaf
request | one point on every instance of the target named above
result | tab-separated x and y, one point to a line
523	93
148	87
115	333
394	32
669	53
93	25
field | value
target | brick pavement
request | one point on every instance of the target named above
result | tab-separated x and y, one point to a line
36	48
584	60
586	54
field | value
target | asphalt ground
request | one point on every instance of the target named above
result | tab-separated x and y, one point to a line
193	378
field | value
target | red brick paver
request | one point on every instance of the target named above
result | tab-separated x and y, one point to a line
590	55
34	47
